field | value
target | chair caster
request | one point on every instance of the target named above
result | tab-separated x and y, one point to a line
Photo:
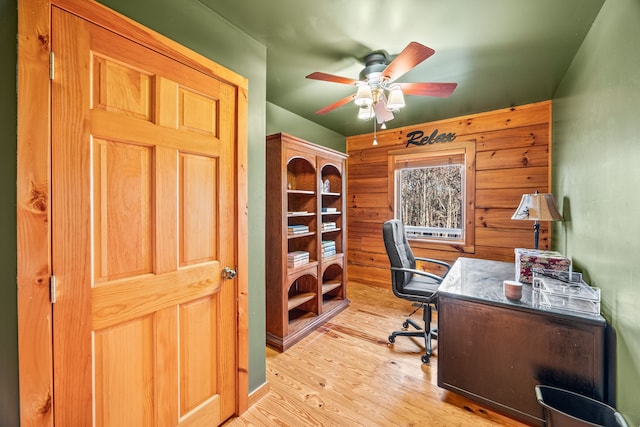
392	339
425	359
405	325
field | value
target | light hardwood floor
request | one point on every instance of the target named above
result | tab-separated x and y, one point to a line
345	374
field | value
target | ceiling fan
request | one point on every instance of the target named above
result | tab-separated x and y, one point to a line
377	79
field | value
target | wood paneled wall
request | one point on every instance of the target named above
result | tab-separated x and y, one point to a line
513	157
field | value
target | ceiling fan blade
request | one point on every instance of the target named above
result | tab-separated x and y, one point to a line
439	90
331	78
335	105
380	108
410	56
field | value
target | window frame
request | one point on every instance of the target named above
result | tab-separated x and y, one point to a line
468	150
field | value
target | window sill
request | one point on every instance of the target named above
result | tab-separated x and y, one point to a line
441	245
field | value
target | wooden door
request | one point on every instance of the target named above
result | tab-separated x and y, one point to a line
143	222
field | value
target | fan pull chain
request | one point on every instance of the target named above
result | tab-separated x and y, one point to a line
375	141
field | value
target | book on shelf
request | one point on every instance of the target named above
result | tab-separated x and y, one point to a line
297	258
298	255
297	229
328	248
328	226
327	210
294	264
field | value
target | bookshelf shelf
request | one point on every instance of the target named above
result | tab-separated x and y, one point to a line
329	286
332	230
301	298
302	192
296	236
293	270
300	214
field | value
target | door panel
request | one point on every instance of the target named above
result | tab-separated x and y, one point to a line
197	329
142	173
198	219
122	179
125	373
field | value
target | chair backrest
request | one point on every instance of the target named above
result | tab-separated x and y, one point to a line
398	251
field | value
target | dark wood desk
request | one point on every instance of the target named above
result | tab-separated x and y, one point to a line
495	351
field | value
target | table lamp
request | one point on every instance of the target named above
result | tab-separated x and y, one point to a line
537	207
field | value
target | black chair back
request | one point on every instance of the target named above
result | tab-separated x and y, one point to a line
399	252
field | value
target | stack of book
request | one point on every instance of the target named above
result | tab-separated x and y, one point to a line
328	248
297	258
327	210
297	229
326	226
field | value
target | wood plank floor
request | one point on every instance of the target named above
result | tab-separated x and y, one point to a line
345	374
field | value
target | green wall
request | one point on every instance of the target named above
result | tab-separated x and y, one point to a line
596	172
9	409
281	120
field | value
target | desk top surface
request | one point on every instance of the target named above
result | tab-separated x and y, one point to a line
481	280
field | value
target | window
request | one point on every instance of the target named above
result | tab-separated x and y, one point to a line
433	193
431	198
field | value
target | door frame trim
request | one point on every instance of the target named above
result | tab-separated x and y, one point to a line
33	194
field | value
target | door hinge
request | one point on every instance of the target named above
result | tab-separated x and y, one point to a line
51	65
52	289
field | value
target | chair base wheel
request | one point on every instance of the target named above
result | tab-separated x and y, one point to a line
425	359
392	339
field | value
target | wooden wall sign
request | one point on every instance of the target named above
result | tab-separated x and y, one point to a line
417	138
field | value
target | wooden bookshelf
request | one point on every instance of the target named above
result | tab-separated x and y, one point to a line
303	181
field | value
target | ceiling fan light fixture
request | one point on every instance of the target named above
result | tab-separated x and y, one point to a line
363	96
375	87
366	112
396	98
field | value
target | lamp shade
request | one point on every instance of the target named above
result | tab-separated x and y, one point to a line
363	96
537	207
366	113
396	98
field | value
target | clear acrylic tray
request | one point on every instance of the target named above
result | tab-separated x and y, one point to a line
565	290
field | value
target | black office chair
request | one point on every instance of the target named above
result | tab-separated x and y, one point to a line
410	284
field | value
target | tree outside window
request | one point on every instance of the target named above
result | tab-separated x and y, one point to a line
432	200
433	191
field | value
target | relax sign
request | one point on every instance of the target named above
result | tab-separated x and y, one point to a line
417	137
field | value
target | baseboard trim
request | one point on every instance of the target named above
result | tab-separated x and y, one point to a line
258	394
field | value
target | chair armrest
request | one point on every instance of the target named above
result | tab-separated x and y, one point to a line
435	261
418	272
